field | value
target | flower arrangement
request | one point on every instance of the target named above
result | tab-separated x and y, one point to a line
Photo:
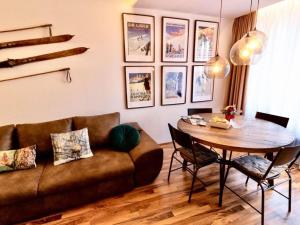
229	112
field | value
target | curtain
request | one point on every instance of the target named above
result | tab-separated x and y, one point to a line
274	83
238	74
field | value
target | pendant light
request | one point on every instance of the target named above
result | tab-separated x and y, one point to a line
217	67
248	50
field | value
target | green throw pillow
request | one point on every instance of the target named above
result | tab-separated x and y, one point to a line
124	137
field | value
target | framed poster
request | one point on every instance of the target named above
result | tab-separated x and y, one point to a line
175	38
139	86
205	40
138	37
202	86
173	85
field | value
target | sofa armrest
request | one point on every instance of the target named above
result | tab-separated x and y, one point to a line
147	158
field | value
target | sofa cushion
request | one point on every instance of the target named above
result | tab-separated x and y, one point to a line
104	165
19	159
98	127
71	146
6	137
19	185
39	134
124	137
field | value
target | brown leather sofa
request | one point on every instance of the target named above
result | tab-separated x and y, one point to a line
33	193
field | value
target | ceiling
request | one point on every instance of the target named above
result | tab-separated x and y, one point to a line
231	8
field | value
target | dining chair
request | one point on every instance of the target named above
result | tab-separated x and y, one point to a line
261	170
194	154
193	111
280	120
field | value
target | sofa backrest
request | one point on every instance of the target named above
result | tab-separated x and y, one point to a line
6	137
98	127
39	134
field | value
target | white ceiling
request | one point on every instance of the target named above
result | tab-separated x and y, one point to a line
231	8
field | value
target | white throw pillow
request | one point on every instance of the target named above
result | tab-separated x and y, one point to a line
71	146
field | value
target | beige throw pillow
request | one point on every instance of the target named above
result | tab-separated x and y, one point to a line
71	146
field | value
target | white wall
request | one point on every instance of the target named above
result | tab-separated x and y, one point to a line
98	77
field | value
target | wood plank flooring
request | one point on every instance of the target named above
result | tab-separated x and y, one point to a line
163	203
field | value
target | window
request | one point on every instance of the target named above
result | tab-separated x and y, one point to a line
274	83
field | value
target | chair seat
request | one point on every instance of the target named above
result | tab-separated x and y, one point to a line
256	166
204	156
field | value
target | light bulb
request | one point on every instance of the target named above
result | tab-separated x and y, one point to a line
217	67
245	53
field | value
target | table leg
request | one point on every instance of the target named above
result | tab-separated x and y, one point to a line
270	157
222	176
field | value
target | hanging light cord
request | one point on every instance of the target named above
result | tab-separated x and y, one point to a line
219	28
251	21
257	8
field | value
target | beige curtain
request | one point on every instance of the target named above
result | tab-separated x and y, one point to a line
239	74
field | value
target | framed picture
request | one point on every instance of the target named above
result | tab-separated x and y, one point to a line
202	86
173	85
175	38
205	40
139	86
138	37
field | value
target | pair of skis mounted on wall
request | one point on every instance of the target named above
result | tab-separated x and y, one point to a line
39	41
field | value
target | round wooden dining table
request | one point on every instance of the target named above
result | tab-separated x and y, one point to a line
245	135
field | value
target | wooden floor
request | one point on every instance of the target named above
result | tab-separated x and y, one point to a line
163	203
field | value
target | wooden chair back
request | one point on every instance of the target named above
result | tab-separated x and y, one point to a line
181	138
193	111
280	120
286	156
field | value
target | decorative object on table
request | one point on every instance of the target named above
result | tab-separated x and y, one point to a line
219	123
249	49
139	82
139	37
20	159
71	146
229	112
124	137
67	70
36	41
217	67
175	39
49	26
205	40
173	85
16	62
202	86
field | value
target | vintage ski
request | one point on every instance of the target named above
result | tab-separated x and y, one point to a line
36	41
16	62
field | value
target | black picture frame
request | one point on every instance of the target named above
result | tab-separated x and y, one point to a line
163	101
142	17
150	69
163	38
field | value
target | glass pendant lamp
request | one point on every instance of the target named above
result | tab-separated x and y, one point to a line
217	67
248	50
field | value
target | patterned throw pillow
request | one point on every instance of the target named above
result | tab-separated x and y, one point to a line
71	146
20	159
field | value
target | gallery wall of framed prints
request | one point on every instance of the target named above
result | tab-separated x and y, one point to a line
139	47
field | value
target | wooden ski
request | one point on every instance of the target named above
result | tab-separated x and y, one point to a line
16	62
36	41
